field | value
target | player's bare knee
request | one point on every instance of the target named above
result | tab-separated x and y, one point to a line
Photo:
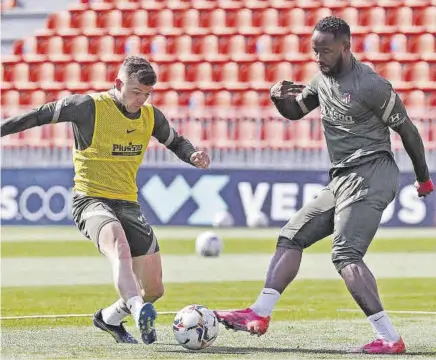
343	260
153	293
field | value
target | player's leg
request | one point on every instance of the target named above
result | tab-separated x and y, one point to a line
311	223
98	222
359	209
148	271
146	264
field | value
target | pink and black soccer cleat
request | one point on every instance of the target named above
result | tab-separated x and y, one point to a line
380	346
244	320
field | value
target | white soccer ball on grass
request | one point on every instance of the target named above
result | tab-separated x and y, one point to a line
195	327
208	244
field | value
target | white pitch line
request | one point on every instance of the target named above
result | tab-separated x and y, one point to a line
59	316
395	311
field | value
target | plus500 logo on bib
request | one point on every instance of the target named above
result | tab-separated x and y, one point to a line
36	204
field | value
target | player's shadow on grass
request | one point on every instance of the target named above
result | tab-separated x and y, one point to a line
236	350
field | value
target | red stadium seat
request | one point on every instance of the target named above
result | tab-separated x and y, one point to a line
274	136
270	21
248	131
37	98
318	14
280	71
294	19
20	73
10	99
308	72
222	99
428	19
426	44
59	22
88	21
72	73
203	75
393	71
45	72
416	101
398	44
113	20
197	100
420	72
351	16
264	45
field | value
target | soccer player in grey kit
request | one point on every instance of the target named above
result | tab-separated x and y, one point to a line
357	109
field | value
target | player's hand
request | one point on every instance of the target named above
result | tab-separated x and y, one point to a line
284	89
424	188
200	159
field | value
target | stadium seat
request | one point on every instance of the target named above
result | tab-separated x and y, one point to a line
264	45
45	72
294	19
256	75
10	99
274	135
428	19
132	45
270	21
20	73
113	20
203	75
72	73
59	22
420	73
37	98
221	100
351	16
197	100
248	135
308	72
279	71
425	44
318	14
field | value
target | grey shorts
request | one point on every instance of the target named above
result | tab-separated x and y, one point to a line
90	215
350	208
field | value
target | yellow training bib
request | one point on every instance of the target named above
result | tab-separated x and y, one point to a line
109	166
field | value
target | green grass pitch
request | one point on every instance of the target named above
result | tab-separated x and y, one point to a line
310	321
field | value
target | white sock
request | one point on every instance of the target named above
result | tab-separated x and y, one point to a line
114	313
265	302
135	305
383	327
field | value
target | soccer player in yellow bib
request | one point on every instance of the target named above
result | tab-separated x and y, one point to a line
111	133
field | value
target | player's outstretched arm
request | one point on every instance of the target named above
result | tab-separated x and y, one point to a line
58	111
386	104
414	147
180	146
293	101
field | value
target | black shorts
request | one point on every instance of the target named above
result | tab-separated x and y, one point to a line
350	208
90	215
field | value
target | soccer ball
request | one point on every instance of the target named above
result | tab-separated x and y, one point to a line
223	219
257	219
208	244
195	327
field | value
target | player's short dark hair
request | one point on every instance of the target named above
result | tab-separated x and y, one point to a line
138	68
334	25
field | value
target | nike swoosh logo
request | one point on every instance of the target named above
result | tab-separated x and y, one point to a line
379	318
267	293
130	131
381	107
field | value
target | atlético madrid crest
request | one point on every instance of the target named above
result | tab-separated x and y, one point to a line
346	98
